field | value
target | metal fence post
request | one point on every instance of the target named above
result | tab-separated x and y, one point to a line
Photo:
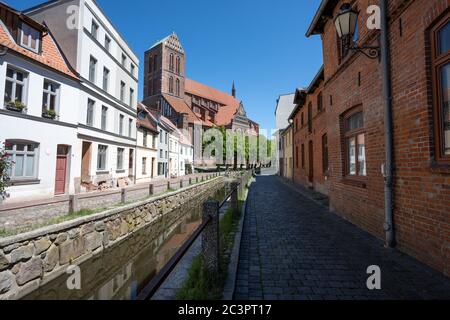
234	197
181	183
151	190
123	195
210	238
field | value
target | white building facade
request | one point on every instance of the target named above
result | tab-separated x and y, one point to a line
108	69
147	147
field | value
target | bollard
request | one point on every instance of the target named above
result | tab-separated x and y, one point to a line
210	238
190	181
181	183
74	205
123	195
234	198
168	185
151	190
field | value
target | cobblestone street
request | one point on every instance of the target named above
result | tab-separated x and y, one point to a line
294	248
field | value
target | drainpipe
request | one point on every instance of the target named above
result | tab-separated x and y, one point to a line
387	101
293	151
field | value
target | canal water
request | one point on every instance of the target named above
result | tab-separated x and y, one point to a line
122	271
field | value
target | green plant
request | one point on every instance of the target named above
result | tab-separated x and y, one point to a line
5	164
16	105
49	113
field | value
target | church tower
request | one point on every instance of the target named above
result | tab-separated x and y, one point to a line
164	71
233	91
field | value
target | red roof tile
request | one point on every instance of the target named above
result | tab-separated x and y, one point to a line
181	107
50	55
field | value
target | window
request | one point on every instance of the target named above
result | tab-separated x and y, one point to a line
122	91
104	117
155	62
120	152
121	118
303	156
101	157
171	85
124	60
24	159
160	136
310	117
94	29
355	147
296	157
153	141
178	66
30	38
325	153
166	138
441	85
171	62
320	102
132	68
150	64
166	155
92	69
50	98
161	154
145	134
105	79
15	85
90	112
178	87
130	127
107	43
296	124
303	119
144	166
131	97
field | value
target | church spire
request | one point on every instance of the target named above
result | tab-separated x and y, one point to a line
233	91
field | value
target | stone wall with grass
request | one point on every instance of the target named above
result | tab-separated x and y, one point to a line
30	260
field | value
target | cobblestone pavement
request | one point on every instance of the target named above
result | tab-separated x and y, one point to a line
295	249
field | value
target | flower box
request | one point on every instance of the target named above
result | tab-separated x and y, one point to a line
15	106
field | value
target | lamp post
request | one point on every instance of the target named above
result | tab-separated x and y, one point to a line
346	22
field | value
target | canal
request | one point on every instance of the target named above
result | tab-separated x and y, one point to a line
122	271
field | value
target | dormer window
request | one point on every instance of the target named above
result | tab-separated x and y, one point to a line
30	38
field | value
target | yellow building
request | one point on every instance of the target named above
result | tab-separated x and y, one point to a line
288	161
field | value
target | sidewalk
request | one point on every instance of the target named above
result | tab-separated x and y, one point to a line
294	248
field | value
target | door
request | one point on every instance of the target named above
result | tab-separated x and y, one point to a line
86	162
61	169
311	162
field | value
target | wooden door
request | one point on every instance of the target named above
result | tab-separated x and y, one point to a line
61	170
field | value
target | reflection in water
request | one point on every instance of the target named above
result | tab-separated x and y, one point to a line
122	271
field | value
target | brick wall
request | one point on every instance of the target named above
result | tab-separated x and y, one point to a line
422	192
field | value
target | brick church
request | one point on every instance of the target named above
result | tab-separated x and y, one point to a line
189	104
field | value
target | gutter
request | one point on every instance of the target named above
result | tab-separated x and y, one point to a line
387	102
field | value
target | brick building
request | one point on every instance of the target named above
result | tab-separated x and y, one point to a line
351	95
191	105
310	136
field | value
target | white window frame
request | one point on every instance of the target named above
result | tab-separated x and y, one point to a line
104	118
15	82
130	127
93	112
28	45
105	147
107	43
50	93
121	119
93	72
97	28
122	91
13	154
120	158
105	82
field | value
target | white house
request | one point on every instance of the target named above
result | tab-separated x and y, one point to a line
173	147
186	154
147	146
108	69
284	108
39	108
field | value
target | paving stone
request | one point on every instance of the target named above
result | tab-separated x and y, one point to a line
294	248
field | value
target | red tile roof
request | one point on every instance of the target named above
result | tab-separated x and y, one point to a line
181	107
50	56
146	123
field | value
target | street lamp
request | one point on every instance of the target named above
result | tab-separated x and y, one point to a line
345	23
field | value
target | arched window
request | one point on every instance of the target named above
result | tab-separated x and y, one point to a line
178	87
24	159
155	62
150	64
171	62
178	65
171	85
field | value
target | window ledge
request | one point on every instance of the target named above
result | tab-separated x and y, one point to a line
25	182
440	167
102	172
354	182
120	171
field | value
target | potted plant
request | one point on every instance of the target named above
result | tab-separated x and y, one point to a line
49	114
16	106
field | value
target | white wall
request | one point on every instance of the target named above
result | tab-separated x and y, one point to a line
48	133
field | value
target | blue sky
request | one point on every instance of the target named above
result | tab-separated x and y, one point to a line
260	44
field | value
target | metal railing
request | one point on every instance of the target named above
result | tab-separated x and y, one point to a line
210	245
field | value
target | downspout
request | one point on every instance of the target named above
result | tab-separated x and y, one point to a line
387	102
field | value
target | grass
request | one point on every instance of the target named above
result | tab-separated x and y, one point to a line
200	285
60	219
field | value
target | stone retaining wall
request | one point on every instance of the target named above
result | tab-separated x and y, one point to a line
38	212
28	261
